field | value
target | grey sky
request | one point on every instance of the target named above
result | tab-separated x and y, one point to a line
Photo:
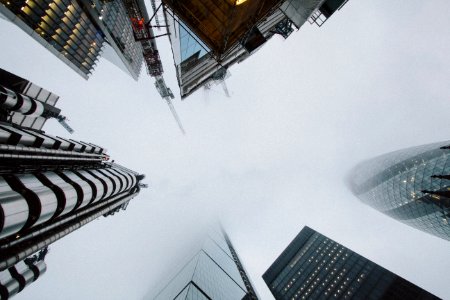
269	160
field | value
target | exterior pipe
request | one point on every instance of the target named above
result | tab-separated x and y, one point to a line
63	220
44	157
13	259
47	151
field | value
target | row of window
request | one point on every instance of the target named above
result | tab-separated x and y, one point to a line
65	26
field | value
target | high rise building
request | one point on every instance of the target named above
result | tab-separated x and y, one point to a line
411	185
208	36
213	272
49	187
314	266
77	31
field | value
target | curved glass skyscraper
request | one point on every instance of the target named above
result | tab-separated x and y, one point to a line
411	185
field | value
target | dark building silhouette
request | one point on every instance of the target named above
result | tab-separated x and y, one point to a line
316	267
49	187
411	185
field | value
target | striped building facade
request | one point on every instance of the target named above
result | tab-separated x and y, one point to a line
25	103
49	187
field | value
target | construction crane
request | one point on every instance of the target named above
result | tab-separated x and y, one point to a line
155	10
62	120
143	33
166	94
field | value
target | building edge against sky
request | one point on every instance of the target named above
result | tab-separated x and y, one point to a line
314	266
205	47
49	186
78	31
411	185
213	270
33	99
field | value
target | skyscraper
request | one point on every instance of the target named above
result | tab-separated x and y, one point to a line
411	185
49	187
77	31
213	272
209	36
316	267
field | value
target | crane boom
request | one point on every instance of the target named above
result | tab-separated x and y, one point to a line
166	94
62	120
175	115
143	33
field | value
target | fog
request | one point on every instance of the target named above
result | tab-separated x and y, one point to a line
267	161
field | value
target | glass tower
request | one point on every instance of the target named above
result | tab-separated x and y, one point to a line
411	185
214	272
76	31
49	187
316	267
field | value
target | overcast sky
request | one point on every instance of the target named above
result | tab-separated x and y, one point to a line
267	161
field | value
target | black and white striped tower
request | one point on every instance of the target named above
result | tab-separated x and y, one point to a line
49	187
13	103
25	103
9	100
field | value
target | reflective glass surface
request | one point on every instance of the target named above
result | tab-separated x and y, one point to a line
410	186
214	281
195	294
179	282
211	274
190	44
316	267
221	258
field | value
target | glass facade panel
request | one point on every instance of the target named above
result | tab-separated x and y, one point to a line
214	281
411	185
211	274
223	260
195	294
316	267
183	294
219	239
190	44
179	282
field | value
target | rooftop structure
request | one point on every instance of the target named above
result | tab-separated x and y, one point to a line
314	266
207	36
411	185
